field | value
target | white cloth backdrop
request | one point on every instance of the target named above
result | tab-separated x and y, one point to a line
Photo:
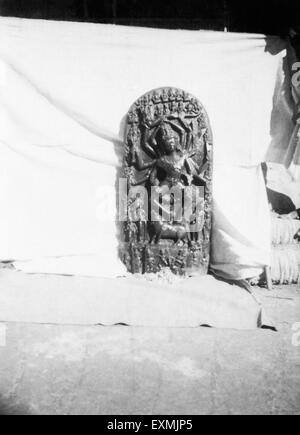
64	90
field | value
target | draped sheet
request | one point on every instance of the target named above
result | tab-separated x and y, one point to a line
284	152
138	302
64	91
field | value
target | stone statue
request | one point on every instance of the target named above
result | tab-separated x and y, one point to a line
168	148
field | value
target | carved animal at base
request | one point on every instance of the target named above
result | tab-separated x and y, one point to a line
166	231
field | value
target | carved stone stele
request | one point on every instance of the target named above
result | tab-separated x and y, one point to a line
168	168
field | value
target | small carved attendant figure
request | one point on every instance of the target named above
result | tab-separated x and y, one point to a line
174	107
190	109
145	101
156	97
165	96
132	117
181	108
159	111
134	137
172	95
166	109
179	95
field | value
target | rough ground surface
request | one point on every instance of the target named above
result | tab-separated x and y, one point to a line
48	369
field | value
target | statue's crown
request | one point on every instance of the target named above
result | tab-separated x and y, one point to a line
167	131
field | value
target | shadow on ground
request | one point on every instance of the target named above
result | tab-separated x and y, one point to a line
6	409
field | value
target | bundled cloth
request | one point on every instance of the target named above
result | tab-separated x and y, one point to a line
286	264
284	231
285	251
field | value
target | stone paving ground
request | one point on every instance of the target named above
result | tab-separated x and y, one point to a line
51	369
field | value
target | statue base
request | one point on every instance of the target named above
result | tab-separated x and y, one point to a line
141	258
